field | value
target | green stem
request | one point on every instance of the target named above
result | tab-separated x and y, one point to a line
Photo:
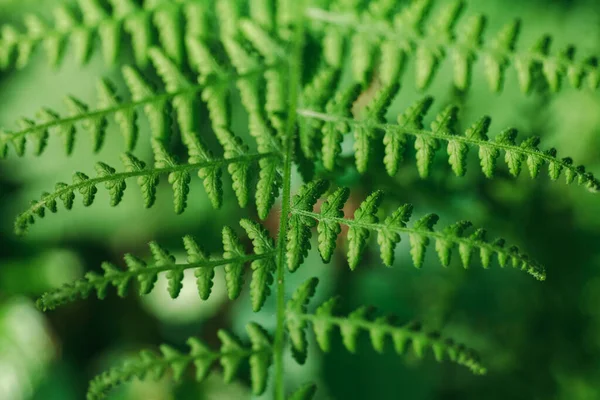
295	72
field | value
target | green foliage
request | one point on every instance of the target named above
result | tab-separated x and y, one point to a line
150	365
109	105
394	35
154	22
365	221
305	392
285	64
147	179
337	121
232	260
379	329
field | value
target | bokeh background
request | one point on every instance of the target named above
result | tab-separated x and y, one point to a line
539	340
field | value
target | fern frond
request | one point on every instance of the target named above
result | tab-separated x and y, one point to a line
109	104
264	268
152	365
305	392
153	23
233	260
379	329
147	179
299	234
314	97
181	94
338	121
263	117
389	231
429	41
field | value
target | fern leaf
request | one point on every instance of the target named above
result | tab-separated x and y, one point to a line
147	179
96	125
262	277
324	321
296	327
304	392
210	175
175	275
154	106
204	276
410	124
125	118
358	234
363	136
109	25
361	53
228	15
95	120
202	59
315	96
468	39
175	82
333	131
178	92
388	237
329	231
427	58
233	260
267	188
263	12
496	61
420	234
148	364
240	172
429	40
167	20
269	176
273	53
179	178
299	226
260	359
232	349
234	272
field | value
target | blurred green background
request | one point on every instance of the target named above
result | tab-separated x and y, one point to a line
539	340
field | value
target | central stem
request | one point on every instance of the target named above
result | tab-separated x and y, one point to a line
295	71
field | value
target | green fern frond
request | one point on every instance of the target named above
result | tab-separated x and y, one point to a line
305	392
299	96
389	231
264	116
396	35
155	22
151	365
379	329
337	121
179	93
233	260
314	97
147	179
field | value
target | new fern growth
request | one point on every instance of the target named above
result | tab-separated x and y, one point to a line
211	56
